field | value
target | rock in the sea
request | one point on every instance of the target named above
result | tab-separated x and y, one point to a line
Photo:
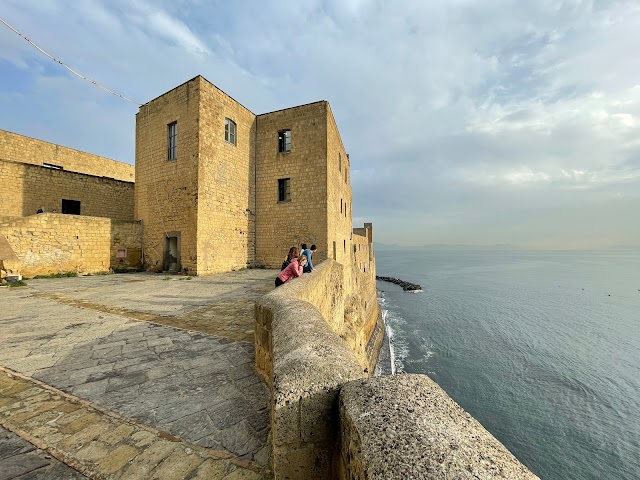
406	286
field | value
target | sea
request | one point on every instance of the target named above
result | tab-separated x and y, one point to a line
541	347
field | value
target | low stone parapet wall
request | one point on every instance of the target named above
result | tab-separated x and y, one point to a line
406	426
50	243
304	363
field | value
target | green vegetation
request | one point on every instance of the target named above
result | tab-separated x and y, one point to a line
57	275
19	283
137	269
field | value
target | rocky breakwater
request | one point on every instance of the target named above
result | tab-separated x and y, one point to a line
406	286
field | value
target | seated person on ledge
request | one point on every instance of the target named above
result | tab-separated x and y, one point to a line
308	252
294	269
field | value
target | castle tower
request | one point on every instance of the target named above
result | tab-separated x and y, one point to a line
219	188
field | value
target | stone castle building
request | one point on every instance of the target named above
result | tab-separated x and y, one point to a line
217	188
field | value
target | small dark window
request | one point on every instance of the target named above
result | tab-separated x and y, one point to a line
284	189
172	151
345	246
230	131
339	161
340	205
71	207
284	141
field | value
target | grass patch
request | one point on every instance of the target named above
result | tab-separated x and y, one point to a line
19	283
166	278
57	275
129	270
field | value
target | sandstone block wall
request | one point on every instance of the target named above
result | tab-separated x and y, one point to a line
304	363
166	196
338	195
303	219
55	243
362	312
21	149
26	188
405	426
125	245
226	184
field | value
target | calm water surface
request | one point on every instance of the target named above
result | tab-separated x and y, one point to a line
543	348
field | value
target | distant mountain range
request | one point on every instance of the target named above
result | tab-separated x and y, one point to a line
499	246
438	246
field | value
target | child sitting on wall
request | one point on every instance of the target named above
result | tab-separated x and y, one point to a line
294	269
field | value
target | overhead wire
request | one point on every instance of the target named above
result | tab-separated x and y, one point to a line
84	77
145	120
106	89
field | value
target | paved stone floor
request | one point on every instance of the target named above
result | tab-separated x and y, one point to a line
20	459
111	340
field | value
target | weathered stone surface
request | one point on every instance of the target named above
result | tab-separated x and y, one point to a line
309	365
406	426
192	385
111	447
180	464
116	459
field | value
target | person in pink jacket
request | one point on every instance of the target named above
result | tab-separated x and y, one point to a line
294	269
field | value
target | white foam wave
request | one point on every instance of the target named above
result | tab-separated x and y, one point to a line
392	353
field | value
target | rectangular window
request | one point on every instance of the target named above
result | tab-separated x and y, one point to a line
339	161
172	151
230	131
284	189
284	141
71	207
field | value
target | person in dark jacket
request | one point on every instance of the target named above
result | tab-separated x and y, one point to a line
293	253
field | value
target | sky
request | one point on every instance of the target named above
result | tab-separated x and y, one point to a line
473	122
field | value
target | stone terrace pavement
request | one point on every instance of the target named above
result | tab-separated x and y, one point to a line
110	340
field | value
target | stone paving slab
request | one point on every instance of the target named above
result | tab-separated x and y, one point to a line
201	388
217	305
20	459
95	441
160	294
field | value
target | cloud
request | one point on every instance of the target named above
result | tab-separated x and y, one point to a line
462	119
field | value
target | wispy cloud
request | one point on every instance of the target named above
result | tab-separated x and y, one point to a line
467	117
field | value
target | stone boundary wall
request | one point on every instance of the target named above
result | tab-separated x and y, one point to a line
406	426
18	148
27	188
304	364
56	243
328	420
